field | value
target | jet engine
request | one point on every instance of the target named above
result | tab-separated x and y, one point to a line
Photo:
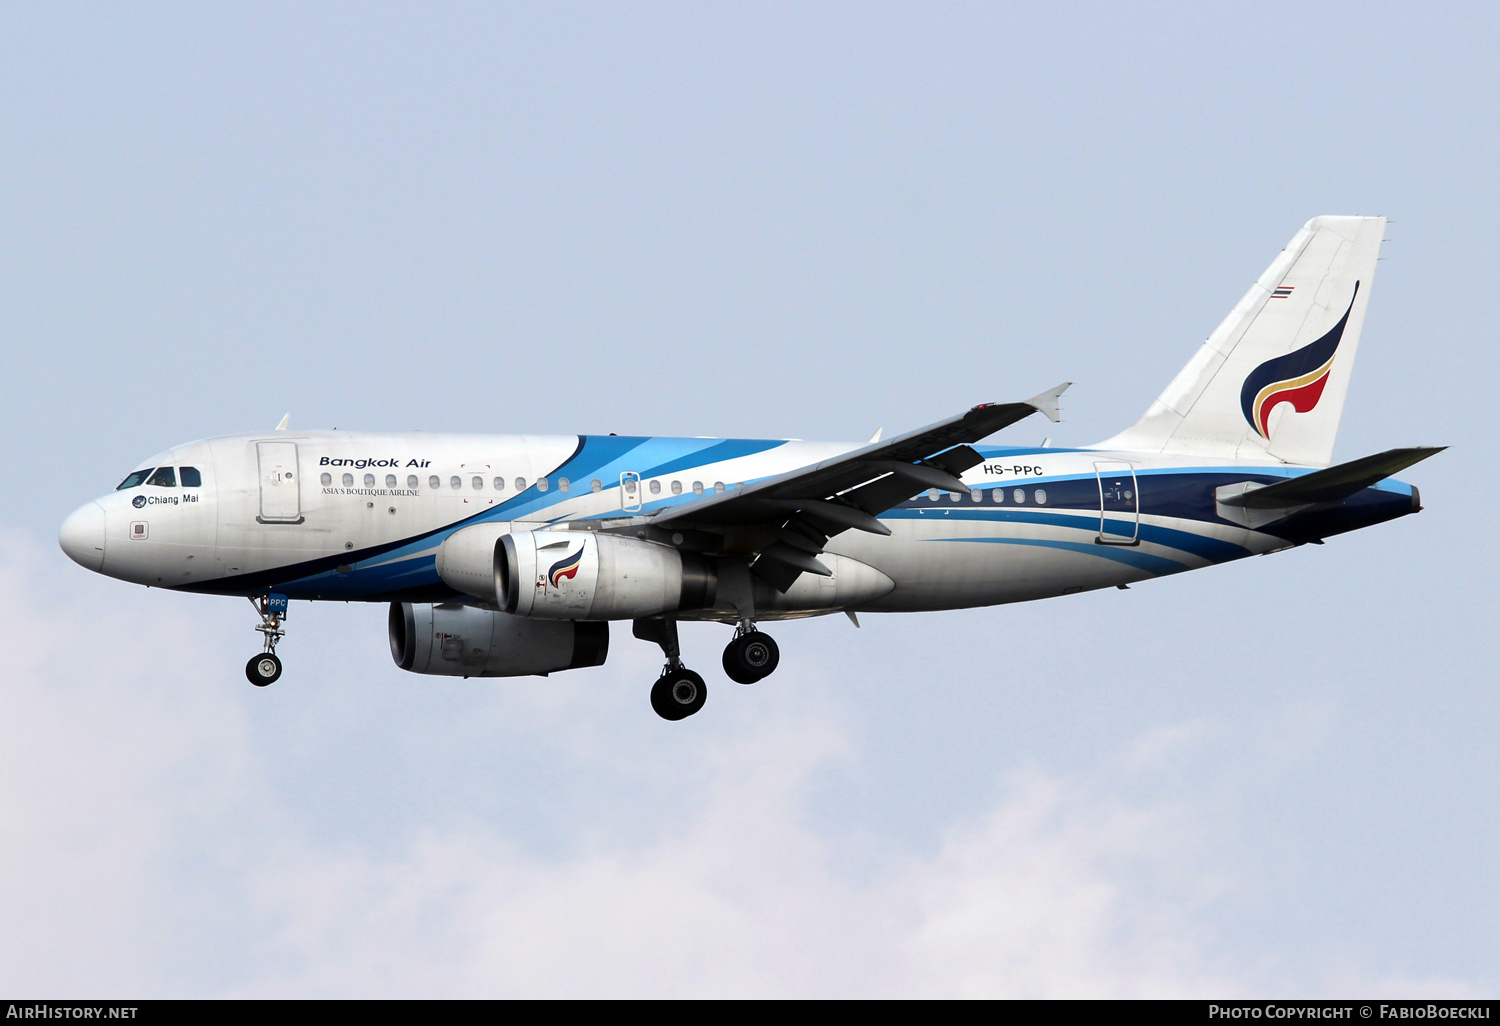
469	641
577	575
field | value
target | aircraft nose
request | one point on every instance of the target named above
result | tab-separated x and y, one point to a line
82	536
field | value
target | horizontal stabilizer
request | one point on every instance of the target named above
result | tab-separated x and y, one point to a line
1329	485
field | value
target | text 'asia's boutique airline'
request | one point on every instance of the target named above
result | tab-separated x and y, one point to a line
509	555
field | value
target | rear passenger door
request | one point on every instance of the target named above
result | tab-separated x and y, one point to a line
280	483
1119	503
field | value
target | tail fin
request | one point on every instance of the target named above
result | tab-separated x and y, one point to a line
1270	381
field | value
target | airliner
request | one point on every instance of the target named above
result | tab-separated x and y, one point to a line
511	555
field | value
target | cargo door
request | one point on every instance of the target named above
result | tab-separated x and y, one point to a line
280	484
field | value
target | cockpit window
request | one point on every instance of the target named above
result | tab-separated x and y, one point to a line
191	478
165	477
135	480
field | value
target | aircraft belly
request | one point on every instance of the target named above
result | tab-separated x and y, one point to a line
950	562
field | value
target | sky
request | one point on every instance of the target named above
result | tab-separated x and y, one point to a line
1274	778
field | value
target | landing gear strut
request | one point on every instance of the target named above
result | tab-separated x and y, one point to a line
751	656
678	692
265	668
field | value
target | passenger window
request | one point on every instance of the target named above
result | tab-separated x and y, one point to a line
655	487
455	483
563	484
541	484
719	487
478	483
520	484
192	479
932	495
369	480
676	487
434	482
135	480
955	497
165	477
1041	497
1019	495
999	494
348	480
326	480
499	484
697	487
976	494
411	481
596	485
390	480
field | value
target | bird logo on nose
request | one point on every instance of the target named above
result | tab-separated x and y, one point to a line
139	502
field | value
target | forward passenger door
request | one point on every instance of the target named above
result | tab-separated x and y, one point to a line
280	483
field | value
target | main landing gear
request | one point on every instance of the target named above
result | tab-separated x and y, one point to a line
751	656
265	668
679	692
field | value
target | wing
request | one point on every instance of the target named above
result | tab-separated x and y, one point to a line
783	522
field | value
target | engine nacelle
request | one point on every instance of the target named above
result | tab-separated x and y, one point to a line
469	641
577	575
466	559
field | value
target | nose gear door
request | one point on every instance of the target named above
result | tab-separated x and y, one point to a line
1119	504
280	484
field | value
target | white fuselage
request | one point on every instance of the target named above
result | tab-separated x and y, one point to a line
355	516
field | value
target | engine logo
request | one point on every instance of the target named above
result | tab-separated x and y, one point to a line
565	568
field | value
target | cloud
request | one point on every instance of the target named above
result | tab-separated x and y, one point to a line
146	851
1032	899
108	742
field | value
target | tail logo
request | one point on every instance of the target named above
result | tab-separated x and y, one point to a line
565	569
1298	378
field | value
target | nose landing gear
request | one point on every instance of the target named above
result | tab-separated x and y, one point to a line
265	668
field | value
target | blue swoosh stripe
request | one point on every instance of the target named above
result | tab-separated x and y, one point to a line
1211	549
1131	557
728	449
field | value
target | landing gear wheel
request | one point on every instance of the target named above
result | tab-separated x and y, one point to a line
751	657
263	669
677	694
